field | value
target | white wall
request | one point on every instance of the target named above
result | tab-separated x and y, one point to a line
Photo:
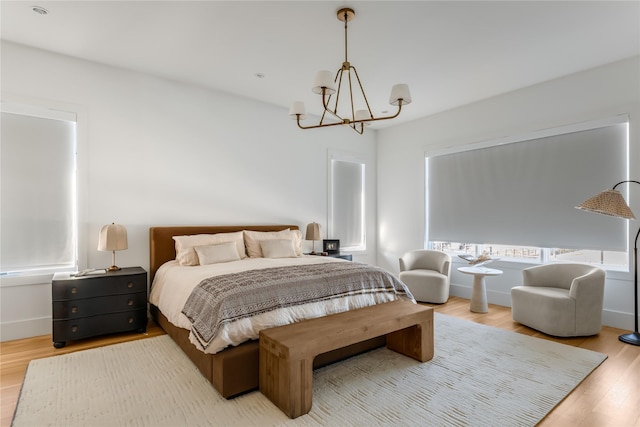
158	152
593	94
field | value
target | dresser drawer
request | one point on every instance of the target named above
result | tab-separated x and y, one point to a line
73	329
101	305
89	287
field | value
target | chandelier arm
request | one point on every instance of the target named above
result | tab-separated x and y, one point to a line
355	128
364	95
339	80
375	119
325	103
316	126
353	111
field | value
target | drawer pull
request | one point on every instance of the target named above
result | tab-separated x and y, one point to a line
74	328
130	319
130	302
74	309
74	290
130	285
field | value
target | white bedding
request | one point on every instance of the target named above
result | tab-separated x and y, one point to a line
173	284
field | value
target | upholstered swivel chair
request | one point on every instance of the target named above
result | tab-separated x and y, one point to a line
426	273
563	300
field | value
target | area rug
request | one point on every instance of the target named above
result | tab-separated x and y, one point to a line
479	376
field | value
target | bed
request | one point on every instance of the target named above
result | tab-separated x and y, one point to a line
234	369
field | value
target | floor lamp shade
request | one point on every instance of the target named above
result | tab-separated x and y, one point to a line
113	237
611	202
313	233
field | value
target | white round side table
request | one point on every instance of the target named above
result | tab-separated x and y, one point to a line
479	295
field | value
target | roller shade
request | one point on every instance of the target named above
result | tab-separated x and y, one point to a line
524	193
38	192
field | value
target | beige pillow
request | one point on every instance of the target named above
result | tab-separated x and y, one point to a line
185	255
278	248
297	241
252	240
213	254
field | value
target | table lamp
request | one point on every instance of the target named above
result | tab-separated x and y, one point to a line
313	234
112	237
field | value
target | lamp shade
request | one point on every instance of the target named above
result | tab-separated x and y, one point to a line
324	79
363	115
297	108
608	202
313	231
112	237
400	92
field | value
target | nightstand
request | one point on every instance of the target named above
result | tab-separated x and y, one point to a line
348	257
97	304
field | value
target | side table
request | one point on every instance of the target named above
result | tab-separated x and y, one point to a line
98	303
479	295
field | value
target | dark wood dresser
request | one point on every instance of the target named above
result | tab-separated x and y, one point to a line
98	303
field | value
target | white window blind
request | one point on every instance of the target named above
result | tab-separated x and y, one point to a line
38	192
346	203
525	193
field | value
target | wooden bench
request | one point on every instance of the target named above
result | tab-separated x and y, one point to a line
287	352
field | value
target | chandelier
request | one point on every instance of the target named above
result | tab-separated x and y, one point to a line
325	85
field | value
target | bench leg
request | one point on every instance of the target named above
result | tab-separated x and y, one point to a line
287	383
415	341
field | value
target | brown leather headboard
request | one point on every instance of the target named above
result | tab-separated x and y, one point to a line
162	246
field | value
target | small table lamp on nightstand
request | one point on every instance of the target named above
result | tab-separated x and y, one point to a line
313	234
112	237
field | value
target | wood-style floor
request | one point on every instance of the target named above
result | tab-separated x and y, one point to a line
610	396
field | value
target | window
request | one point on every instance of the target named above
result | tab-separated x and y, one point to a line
520	195
38	206
346	201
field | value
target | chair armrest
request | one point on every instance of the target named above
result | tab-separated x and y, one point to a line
589	286
540	275
446	268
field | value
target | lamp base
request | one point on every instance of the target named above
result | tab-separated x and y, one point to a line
630	338
113	268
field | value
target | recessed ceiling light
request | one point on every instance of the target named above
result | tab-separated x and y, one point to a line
40	10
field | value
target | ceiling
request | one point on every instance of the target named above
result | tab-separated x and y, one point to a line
450	53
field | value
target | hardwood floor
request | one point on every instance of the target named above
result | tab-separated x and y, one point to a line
610	396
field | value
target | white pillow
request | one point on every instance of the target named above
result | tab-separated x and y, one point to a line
185	255
213	254
278	248
252	240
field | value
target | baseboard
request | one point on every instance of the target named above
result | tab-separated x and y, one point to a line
614	319
28	328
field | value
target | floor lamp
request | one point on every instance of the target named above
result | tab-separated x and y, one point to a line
611	202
